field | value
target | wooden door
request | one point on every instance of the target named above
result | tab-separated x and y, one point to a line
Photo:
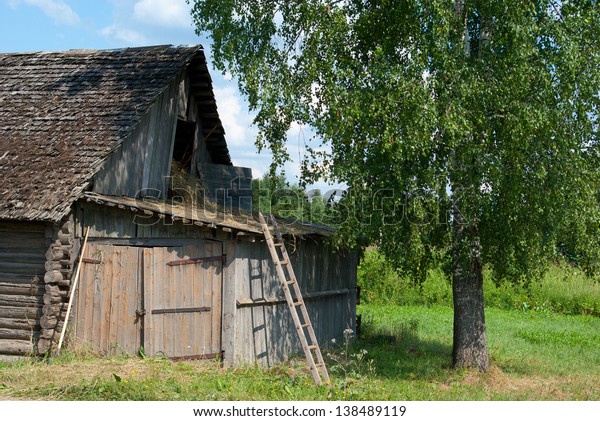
109	294
166	299
182	299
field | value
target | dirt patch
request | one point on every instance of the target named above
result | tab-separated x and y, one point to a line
498	383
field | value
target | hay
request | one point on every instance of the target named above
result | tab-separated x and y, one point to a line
186	189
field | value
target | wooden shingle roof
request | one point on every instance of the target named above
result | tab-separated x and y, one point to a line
62	113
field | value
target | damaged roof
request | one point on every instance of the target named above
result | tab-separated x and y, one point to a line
209	214
62	113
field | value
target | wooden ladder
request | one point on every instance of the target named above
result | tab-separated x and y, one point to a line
293	296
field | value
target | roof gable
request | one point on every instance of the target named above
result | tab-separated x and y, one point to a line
61	114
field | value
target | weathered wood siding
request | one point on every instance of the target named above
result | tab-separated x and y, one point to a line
108	296
134	276
264	331
191	296
256	322
182	303
23	247
227	185
113	222
138	167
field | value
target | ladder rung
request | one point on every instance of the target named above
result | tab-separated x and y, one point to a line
291	282
298	303
311	347
284	262
304	326
279	244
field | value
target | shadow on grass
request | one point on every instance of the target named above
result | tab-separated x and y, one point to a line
397	352
415	359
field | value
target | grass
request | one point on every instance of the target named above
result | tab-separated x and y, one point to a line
534	355
407	353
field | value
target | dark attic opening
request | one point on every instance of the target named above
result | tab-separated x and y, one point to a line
183	150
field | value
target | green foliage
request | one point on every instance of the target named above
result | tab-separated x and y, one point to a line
273	194
381	283
561	289
495	103
349	363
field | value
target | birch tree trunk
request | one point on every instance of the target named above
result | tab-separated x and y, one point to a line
470	344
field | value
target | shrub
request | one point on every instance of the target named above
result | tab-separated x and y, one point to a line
567	290
562	289
382	284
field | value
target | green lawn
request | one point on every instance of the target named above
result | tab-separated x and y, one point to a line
535	356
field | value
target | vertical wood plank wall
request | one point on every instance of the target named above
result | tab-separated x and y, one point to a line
108	296
182	287
261	333
118	281
144	159
22	267
265	333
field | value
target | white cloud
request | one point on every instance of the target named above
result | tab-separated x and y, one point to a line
164	13
235	122
124	35
55	9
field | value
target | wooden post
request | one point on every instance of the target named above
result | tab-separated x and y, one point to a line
73	289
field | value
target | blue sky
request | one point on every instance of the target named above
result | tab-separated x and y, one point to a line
58	25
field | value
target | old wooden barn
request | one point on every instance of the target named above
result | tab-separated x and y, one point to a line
96	140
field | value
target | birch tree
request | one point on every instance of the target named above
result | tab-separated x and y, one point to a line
469	123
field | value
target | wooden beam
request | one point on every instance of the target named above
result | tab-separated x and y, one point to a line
22	324
8	288
181	310
11	312
152	242
270	301
22	334
196	260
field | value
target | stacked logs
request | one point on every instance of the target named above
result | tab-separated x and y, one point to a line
59	269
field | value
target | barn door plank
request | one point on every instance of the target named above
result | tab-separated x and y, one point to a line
217	276
114	294
150	298
103	294
84	301
178	284
198	327
173	321
187	296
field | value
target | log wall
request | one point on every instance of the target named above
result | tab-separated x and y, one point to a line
60	257
23	246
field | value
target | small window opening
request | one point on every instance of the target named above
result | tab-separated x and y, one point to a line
183	150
